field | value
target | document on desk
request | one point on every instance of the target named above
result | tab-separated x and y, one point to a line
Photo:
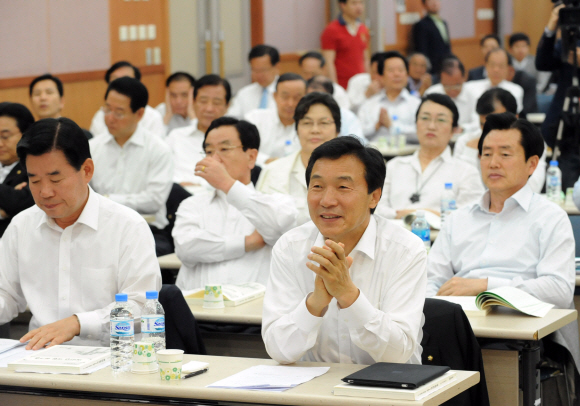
269	378
7	344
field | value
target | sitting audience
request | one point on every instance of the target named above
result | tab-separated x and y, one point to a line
486	44
177	110
522	60
419	76
417	181
365	85
227	237
318	119
312	64
359	299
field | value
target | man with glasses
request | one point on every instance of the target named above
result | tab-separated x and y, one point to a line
227	237
133	167
15	194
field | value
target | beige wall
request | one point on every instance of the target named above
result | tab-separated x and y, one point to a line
183	36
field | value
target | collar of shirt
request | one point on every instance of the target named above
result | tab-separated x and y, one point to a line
342	21
138	138
403	96
5	171
89	215
522	197
272	86
365	245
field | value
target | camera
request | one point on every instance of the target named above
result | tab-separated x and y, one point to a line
569	22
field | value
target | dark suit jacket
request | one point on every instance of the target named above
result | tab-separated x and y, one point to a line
528	83
476	73
428	40
14	201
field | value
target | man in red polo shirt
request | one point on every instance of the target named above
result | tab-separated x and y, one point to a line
345	43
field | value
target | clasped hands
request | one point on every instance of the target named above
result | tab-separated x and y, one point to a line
332	278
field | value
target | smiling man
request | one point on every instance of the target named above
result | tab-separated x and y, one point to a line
68	256
347	286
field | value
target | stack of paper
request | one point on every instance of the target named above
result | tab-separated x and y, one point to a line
269	378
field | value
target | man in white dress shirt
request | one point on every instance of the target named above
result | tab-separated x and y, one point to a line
133	166
152	120
68	256
277	131
227	237
365	85
347	286
259	94
177	110
393	110
312	64
211	98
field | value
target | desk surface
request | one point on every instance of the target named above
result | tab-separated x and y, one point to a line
315	392
393	152
169	261
247	313
149	218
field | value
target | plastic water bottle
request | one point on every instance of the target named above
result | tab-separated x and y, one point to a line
394	132
288	147
448	203
554	183
421	229
153	321
122	334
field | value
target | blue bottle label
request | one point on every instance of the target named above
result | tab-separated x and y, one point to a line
423	234
122	328
154	323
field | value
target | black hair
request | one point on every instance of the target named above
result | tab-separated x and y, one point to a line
133	89
248	132
411	55
531	138
443	100
518	36
18	112
315	55
320	84
262	50
379	58
371	158
488	36
389	55
317	98
46	76
122	64
50	134
486	102
496	50
180	76
450	63
213	80
287	77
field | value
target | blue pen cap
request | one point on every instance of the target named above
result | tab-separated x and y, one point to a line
553	163
151	294
121	297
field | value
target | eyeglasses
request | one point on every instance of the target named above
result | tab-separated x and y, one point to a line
4	137
308	124
116	114
222	151
439	121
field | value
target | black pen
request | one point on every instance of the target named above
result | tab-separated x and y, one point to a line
201	371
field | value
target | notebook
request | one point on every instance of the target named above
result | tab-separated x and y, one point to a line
391	375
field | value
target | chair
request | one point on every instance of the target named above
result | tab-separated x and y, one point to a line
575	220
448	340
5	330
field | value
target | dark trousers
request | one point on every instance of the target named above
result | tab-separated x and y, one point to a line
569	164
163	241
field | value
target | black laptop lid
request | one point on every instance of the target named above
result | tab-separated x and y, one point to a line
391	375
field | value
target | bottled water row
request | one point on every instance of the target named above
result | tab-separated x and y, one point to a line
123	329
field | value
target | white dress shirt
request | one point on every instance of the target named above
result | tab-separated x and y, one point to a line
383	324
350	125
176	120
151	121
78	270
340	96
405	177
249	97
5	171
465	102
210	232
138	175
478	87
404	108
357	89
273	134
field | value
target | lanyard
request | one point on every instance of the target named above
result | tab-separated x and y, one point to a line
415	197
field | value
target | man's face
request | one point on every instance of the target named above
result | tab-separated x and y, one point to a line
316	127
394	75
57	188
352	8
263	72
417	66
287	96
452	84
9	136
179	95
433	6
520	49
310	68
375	71
226	146
121	73
209	104
434	125
338	198
46	101
497	67
119	118
504	168
488	45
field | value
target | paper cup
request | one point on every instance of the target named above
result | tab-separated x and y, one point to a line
144	360
213	297
170	362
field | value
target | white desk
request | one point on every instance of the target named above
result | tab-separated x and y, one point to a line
149	218
169	261
24	389
389	152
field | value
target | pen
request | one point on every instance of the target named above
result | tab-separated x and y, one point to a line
201	371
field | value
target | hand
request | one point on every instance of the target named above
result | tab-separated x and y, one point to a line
54	333
3	214
426	82
168	110
463	287
373	88
20	186
384	119
334	271
190	111
215	173
254	241
319	299
185	184
270	160
473	143
554	17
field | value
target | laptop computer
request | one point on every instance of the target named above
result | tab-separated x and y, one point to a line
391	375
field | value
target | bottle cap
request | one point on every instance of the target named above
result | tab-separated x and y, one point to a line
553	163
420	213
395	117
121	297
151	294
449	186
288	142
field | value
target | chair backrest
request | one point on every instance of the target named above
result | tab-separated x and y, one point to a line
575	220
